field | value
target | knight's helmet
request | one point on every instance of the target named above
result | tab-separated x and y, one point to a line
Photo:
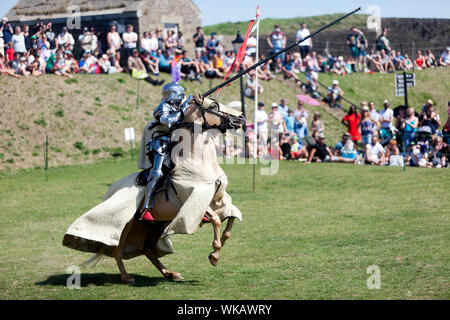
173	94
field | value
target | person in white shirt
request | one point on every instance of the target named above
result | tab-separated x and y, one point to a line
65	38
444	61
251	46
18	41
386	118
305	46
262	119
2	44
283	108
130	39
375	153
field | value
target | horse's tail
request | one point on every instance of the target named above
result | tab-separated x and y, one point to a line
92	262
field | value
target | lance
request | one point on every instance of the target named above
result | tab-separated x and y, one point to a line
240	74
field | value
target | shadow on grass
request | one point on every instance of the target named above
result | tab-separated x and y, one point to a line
103	279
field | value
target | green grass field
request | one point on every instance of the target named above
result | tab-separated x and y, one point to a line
309	232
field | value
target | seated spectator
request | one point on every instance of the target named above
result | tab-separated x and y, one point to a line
114	60
88	64
339	67
312	83
375	154
297	151
317	125
135	63
376	63
437	155
105	65
228	61
346	148
387	62
250	87
4	68
353	122
420	62
15	63
444	60
151	62
264	72
60	68
65	38
393	154
430	59
288	68
189	67
420	156
430	119
408	63
320	152
334	95
399	61
164	60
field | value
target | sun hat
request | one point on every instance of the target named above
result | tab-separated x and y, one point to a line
429	101
335	82
274	105
386	101
365	108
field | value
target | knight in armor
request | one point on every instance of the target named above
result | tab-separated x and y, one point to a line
167	114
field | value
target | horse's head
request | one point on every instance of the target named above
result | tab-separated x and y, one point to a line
211	114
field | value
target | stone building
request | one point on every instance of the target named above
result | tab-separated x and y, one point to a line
178	15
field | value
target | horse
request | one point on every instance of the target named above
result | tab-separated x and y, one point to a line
141	237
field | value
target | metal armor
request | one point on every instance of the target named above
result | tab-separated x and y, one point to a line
168	113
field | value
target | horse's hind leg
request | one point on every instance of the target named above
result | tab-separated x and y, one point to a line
227	232
217	243
175	276
117	252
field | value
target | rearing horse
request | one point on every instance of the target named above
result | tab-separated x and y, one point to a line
141	237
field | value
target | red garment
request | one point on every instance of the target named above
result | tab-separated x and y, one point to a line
10	54
420	62
353	121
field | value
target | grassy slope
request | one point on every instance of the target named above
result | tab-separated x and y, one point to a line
96	109
326	224
289	26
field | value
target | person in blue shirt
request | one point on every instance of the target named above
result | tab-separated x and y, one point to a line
165	61
290	121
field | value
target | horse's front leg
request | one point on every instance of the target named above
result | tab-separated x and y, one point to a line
227	232
217	243
175	276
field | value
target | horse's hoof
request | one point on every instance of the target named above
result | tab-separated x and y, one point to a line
129	280
174	276
213	259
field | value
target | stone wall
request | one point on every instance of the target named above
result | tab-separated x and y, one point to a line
155	13
405	34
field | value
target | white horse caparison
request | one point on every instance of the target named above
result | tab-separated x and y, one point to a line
165	210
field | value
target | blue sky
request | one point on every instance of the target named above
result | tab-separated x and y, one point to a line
215	11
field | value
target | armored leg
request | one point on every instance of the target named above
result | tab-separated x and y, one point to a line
155	175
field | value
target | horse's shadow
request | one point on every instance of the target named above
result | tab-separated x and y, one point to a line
103	279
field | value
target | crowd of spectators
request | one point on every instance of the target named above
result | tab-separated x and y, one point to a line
393	137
